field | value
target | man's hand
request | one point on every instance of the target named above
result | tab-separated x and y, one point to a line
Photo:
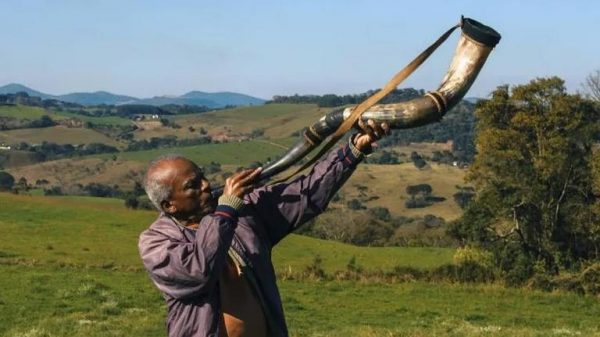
241	183
371	132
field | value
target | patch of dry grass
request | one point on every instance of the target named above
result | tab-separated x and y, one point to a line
385	186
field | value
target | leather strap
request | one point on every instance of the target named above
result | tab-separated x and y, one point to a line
373	99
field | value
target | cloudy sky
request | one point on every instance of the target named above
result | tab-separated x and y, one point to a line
266	48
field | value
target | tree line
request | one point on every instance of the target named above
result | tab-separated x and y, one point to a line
332	100
51	151
536	179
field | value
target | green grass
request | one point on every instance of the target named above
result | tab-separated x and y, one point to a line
56	134
100	232
22	112
109	120
70	267
421	309
298	251
248	114
277	121
41	301
233	153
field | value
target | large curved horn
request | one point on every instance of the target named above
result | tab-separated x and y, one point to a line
476	42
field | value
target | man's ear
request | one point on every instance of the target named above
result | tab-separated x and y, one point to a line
168	207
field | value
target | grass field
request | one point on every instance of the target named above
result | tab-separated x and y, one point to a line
389	182
56	134
85	170
96	302
277	121
84	231
109	120
22	112
424	149
233	153
69	267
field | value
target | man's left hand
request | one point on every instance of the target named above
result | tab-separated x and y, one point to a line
371	132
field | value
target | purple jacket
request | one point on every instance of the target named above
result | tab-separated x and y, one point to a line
186	264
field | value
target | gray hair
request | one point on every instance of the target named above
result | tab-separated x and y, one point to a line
156	189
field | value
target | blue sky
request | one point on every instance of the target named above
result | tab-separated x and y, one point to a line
266	48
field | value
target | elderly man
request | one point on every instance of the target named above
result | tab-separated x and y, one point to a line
212	259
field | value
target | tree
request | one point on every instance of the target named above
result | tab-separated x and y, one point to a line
417	160
533	179
592	85
132	202
355	204
22	184
138	189
6	181
423	189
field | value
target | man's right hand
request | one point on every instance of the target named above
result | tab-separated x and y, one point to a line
241	183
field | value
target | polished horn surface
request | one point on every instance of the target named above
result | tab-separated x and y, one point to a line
474	46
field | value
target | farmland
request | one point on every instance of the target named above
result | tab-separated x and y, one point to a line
70	268
55	134
21	112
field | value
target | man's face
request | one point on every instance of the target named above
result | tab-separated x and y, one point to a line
191	196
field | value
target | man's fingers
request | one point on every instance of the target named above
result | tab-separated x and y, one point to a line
241	175
365	127
386	128
376	131
250	177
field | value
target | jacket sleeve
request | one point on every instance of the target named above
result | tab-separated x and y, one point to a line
284	207
181	269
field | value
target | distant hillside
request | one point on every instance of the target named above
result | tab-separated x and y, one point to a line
194	98
14	88
211	100
96	98
473	100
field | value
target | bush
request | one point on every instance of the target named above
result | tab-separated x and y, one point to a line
569	282
464	196
476	255
473	265
432	221
418	160
6	181
517	269
381	213
445	272
213	167
416	203
353	271
355	204
473	272
407	273
54	190
315	271
132	202
422	189
590	279
257	133
145	203
540	282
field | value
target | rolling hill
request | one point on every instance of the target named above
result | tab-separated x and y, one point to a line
211	100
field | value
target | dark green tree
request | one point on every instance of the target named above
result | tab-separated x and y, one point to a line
533	178
6	181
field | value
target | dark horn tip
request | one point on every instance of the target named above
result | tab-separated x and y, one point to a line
480	32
